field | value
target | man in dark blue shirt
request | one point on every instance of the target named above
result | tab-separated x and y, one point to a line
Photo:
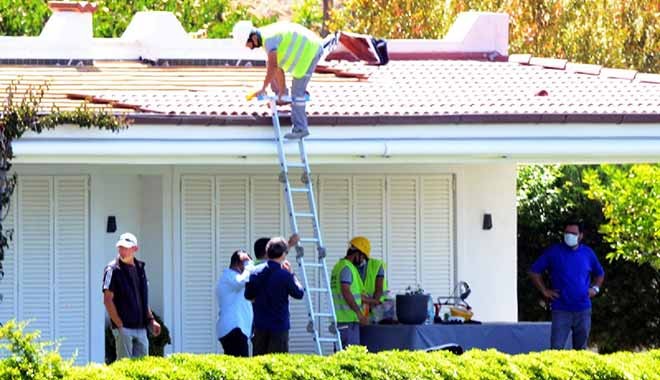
270	289
576	277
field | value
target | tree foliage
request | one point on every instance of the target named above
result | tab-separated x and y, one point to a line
631	204
214	18
624	34
624	316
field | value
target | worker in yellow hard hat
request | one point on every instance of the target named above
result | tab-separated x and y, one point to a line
372	272
292	48
347	291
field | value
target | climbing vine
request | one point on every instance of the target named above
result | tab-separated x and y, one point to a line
24	111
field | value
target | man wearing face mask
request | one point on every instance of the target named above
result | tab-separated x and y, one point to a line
347	289
576	276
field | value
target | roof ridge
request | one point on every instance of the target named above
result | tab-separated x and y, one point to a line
585	68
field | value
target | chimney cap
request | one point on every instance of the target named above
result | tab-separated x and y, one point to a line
72	6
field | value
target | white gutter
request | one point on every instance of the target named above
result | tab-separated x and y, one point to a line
430	143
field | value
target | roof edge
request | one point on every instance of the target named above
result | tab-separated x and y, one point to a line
354	120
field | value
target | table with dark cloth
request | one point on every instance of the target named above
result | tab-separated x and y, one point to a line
508	337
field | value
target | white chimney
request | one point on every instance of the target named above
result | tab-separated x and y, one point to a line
71	23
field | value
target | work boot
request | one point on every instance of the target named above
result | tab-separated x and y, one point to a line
296	134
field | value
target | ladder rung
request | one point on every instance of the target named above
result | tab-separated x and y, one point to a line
309	240
295	165
323	315
313	265
304	214
318	290
299	190
327	339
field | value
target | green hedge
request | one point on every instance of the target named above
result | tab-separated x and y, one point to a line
356	363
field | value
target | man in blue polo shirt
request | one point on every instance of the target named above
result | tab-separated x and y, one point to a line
576	277
270	289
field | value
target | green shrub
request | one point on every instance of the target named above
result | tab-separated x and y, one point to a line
356	363
26	357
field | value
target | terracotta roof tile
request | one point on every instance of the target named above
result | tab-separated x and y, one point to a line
417	91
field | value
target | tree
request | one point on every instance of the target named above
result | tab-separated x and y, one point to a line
23	112
624	315
621	34
214	18
631	204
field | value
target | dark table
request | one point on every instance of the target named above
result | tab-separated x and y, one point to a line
511	338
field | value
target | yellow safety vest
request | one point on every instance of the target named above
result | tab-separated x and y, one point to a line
344	312
373	265
297	49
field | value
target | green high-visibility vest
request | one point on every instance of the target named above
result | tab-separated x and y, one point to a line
373	265
297	48
344	312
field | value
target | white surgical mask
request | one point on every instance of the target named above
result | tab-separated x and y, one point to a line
571	240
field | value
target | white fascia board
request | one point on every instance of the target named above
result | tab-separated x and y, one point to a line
173	144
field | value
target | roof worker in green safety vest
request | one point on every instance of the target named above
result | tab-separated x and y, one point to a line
291	48
347	290
372	273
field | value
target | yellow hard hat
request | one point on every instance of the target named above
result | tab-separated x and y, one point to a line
362	244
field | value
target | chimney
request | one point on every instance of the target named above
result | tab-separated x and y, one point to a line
71	22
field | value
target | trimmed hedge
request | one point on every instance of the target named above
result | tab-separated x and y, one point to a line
356	363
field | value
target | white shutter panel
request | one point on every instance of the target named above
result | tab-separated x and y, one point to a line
336	215
299	339
8	283
35	253
233	212
267	202
369	212
71	266
403	234
437	234
198	264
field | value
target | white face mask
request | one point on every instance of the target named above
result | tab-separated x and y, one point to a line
571	240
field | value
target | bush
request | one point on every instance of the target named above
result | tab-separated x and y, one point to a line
214	18
29	360
356	363
622	34
26	357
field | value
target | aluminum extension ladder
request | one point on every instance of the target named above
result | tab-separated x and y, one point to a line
315	318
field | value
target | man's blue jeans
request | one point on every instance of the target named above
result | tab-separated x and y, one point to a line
565	322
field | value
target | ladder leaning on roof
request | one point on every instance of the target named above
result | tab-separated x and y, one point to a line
305	265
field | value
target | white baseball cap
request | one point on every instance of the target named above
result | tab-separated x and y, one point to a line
127	240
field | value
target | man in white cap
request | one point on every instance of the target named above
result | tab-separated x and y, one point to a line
292	48
126	298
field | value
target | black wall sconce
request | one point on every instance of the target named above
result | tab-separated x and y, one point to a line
112	225
488	222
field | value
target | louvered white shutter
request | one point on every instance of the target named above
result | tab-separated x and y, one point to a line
8	306
71	290
369	212
198	242
233	225
403	232
233	218
35	254
266	211
437	234
336	215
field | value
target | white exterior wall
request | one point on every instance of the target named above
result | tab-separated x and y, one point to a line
133	194
487	258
